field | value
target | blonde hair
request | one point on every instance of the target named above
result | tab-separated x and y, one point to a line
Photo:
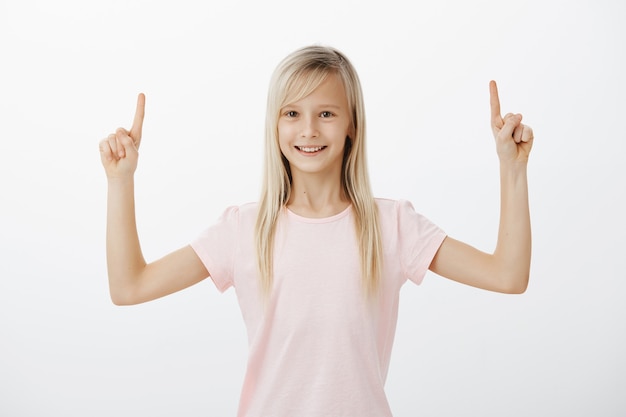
296	77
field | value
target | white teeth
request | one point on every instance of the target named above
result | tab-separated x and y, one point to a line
308	149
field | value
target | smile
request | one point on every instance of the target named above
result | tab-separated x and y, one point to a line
310	149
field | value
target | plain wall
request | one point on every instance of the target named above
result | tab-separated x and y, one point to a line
70	74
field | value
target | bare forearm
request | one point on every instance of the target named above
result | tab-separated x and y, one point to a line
124	258
508	268
513	250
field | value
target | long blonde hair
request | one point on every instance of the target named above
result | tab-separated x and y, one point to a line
296	77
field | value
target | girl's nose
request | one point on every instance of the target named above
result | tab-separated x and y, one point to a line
309	128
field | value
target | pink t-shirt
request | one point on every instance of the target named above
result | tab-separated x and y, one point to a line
319	347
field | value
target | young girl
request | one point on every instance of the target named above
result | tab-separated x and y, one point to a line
318	263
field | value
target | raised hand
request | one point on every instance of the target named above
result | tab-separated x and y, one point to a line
513	139
119	151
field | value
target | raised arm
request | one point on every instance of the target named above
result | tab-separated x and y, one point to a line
131	280
507	269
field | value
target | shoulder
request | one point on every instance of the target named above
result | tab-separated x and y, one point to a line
248	209
400	213
235	217
387	206
240	212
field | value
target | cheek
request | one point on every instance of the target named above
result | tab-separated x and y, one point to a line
284	135
282	142
283	148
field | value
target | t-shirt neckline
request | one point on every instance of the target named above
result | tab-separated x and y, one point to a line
329	219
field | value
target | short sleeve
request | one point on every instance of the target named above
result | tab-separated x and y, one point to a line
418	241
216	247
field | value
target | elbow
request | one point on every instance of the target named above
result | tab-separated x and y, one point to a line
520	289
119	300
517	284
124	289
122	297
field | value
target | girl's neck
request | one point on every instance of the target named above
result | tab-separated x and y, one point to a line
316	199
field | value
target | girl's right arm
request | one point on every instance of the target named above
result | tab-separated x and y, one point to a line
131	279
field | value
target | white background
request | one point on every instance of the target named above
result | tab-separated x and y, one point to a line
69	75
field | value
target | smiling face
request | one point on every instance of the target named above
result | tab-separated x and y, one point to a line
312	131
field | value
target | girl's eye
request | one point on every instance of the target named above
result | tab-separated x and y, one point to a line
326	114
291	113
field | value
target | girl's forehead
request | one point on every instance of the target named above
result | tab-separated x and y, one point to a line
329	88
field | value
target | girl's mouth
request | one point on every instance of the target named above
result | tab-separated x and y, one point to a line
310	149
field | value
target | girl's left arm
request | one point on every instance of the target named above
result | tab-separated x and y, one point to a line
507	268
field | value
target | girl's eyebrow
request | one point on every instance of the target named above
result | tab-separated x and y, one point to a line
325	106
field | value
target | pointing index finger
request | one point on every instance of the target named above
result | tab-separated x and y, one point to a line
135	130
494	100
